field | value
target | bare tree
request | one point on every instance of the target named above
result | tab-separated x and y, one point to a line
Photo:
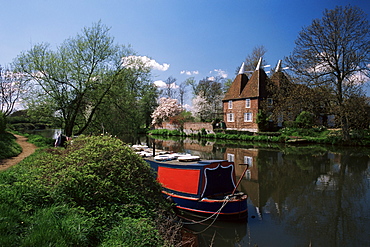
252	59
334	52
182	92
12	88
170	89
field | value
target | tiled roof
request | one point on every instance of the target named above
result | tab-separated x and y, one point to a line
236	87
242	88
256	86
279	77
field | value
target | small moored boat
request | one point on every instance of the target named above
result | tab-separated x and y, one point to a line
205	188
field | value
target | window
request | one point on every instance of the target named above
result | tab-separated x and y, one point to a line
230	157
230	104
248	160
248	117
270	101
230	117
248	103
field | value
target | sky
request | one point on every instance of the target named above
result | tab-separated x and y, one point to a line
180	38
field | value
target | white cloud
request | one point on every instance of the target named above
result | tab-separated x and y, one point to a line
162	84
135	61
219	72
187	72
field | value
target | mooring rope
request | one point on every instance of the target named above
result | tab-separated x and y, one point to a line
216	213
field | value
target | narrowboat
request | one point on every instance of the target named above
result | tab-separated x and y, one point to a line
203	188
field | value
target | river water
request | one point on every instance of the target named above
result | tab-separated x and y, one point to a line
299	195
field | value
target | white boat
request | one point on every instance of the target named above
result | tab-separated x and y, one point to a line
139	147
145	154
163	158
188	158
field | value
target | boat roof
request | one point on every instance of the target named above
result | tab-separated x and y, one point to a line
199	163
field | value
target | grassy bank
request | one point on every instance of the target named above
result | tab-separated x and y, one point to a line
286	135
8	146
96	192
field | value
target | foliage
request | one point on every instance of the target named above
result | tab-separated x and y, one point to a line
166	132
167	108
180	119
129	104
207	101
2	122
8	146
262	120
133	232
292	134
201	108
334	53
80	194
77	76
305	120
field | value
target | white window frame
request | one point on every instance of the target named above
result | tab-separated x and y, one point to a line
248	160
248	119
230	157
230	117
247	103
230	104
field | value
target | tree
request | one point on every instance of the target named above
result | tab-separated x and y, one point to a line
201	108
13	87
77	76
334	52
252	59
129	104
167	108
182	91
170	89
208	98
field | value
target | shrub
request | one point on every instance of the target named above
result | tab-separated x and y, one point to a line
133	232
2	123
305	120
74	196
8	146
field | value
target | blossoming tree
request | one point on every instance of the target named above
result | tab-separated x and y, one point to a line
167	108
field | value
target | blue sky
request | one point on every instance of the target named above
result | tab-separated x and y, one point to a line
208	37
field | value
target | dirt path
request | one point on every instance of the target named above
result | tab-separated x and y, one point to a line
27	150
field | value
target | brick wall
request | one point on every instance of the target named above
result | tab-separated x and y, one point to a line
238	109
189	127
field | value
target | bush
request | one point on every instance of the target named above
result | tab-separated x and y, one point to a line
2	123
8	146
133	232
305	120
75	196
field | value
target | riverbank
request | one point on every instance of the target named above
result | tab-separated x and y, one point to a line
96	192
286	135
26	150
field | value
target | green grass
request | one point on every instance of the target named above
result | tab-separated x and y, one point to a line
95	192
8	146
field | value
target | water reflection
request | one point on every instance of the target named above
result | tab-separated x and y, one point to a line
298	195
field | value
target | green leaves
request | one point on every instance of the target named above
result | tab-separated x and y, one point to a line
76	196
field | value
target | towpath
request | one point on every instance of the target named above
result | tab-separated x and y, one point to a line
27	150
